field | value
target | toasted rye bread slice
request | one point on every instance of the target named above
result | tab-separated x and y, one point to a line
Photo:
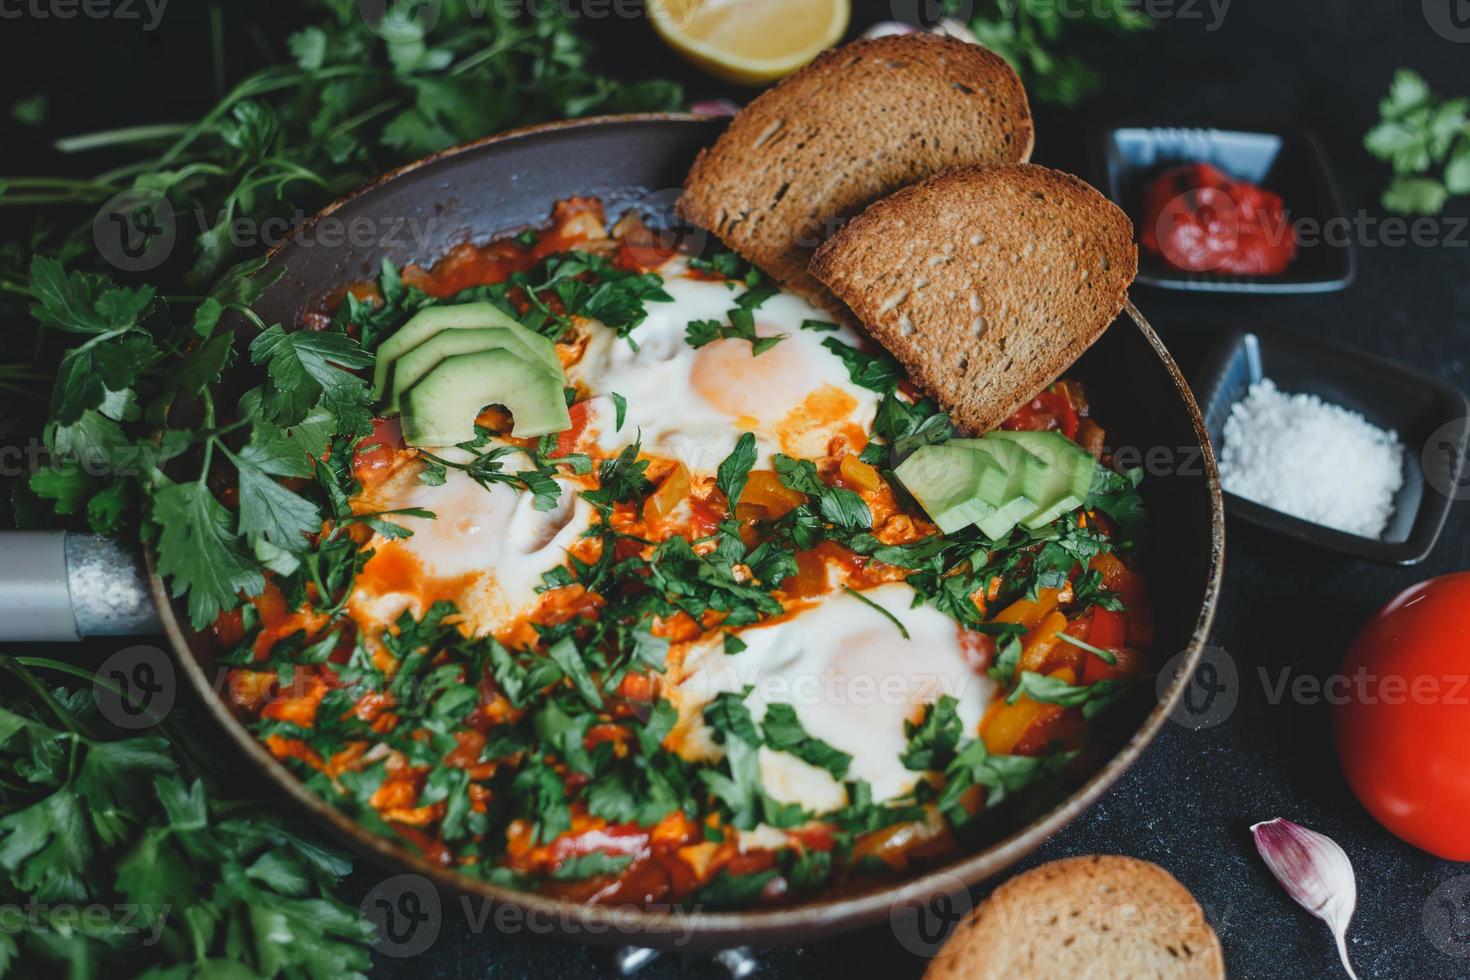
853	126
1101	917
985	282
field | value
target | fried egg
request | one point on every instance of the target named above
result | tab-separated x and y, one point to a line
853	681
485	549
692	404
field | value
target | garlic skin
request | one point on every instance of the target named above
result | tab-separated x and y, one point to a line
1315	872
887	27
715	109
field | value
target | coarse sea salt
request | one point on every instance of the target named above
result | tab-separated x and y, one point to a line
1311	459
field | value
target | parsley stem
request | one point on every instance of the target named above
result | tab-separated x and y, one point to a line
61	667
13	666
489	51
869	602
1106	656
114	137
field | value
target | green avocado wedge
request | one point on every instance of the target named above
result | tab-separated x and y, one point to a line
440	409
429	322
945	480
999	480
411	367
1060	473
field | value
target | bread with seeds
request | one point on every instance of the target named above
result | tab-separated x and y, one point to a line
985	282
854	126
1102	917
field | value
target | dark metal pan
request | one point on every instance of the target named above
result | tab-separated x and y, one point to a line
505	183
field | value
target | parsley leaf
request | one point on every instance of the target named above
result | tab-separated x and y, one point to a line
876	370
308	366
728	716
1001	775
620	479
1427	140
735	469
838	505
932	742
199	551
783	731
591	865
1092	698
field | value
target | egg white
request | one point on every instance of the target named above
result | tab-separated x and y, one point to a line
853	681
692	404
490	542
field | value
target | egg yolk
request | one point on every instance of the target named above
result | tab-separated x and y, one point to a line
740	384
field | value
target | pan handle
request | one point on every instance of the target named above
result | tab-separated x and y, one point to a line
59	586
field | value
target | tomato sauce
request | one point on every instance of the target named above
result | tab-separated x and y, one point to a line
670	861
1198	219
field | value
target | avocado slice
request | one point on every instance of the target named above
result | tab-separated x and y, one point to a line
440	410
461	316
1013	502
945	480
1057	473
412	366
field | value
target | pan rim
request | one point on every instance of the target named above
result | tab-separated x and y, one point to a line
695	930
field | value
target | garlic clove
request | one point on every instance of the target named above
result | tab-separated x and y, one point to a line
714	108
886	27
1315	872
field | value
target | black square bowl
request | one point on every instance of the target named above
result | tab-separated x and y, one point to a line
1432	420
1126	159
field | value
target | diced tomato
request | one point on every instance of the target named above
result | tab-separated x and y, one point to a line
229	628
567	439
1105	629
810	578
1051	411
374	456
271	605
624	838
1128	662
816	837
704	517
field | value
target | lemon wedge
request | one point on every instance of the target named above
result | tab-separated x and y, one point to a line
750	42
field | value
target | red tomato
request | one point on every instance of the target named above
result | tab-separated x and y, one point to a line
374	455
567	439
1050	410
1402	716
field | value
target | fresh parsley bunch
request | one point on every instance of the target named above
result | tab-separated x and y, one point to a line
117	375
1427	139
121	857
1025	33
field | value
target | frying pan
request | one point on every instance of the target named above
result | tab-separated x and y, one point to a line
506	183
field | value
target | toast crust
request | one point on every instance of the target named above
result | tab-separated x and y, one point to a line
1104	917
986	283
855	125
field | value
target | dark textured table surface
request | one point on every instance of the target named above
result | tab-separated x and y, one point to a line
1188	803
